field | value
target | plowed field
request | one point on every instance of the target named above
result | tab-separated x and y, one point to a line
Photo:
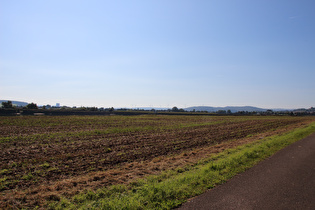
43	158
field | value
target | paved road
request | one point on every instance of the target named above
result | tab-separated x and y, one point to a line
284	181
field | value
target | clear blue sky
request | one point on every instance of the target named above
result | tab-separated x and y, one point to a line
160	53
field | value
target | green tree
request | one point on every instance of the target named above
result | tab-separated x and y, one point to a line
175	109
221	112
7	105
32	106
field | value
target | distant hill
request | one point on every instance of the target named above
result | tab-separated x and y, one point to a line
232	108
312	109
15	103
150	108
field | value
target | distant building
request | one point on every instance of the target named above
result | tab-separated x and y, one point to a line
57	105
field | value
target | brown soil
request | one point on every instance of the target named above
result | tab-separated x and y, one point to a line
48	165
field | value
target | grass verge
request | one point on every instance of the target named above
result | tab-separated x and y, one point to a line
172	188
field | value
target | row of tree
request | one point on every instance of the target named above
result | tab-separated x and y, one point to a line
9	105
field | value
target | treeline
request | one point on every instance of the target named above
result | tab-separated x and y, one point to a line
7	108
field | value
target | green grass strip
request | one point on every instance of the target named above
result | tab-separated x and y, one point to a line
172	188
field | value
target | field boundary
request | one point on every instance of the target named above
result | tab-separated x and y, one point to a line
172	188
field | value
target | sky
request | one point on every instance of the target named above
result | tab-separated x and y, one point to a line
158	53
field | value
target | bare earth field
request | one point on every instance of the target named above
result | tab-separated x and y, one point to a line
43	158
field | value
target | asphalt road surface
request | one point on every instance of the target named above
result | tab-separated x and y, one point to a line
286	180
